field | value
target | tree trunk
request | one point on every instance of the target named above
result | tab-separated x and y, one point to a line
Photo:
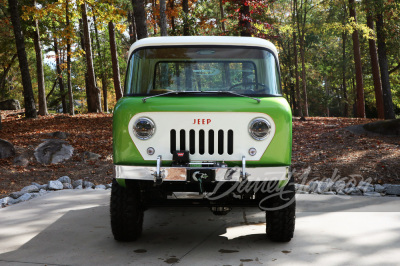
344	79
131	28
5	73
296	64
94	93
221	9
69	84
375	69
29	100
357	59
39	69
171	6
114	59
185	8
163	18
60	77
103	77
140	18
244	22
383	63
83	46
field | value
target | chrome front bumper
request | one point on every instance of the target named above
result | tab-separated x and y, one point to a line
227	174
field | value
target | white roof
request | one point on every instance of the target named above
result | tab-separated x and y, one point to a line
203	40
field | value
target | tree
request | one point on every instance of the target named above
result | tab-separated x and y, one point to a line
60	76
93	96
383	62
140	18
357	59
185	9
29	101
39	68
163	18
69	34
375	65
114	58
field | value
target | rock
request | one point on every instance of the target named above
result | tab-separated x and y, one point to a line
4	201
45	187
303	188
87	184
352	191
365	187
21	161
65	179
320	186
11	104
59	135
78	187
372	194
380	189
6	149
53	151
340	192
393	190
329	193
89	188
25	197
384	127
67	186
55	185
100	187
30	189
338	185
109	186
16	195
42	192
77	183
90	156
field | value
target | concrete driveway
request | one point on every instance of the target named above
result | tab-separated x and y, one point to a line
72	228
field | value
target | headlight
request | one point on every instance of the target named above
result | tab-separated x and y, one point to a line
259	128
144	128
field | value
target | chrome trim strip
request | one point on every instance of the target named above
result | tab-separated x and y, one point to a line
224	174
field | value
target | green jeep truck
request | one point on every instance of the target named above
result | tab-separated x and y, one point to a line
203	115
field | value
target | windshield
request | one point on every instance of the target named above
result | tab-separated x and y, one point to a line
168	69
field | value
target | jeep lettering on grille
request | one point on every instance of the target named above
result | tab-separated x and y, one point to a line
201	121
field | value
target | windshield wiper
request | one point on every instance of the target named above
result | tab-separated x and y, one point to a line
237	94
182	92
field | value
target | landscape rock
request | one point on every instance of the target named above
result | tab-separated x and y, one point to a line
303	188
320	186
393	190
352	191
6	149
55	185
11	104
87	184
365	187
16	195
21	160
67	186
65	179
45	187
59	135
109	186
78	187
100	187
380	189
90	156
4	201
24	197
338	185
77	183
329	193
53	151
30	189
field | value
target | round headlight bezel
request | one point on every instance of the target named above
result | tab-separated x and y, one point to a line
146	122
258	135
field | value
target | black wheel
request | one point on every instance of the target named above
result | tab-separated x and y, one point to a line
281	215
220	211
126	212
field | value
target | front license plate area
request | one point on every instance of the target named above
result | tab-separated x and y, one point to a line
206	175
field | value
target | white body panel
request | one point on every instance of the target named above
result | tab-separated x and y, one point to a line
238	122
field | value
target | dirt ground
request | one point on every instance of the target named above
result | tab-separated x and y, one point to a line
322	147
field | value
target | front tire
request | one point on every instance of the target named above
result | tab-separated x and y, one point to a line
281	220
126	212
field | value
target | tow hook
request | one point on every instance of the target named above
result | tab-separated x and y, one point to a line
158	173
243	174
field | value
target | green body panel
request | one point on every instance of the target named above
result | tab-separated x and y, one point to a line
278	153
